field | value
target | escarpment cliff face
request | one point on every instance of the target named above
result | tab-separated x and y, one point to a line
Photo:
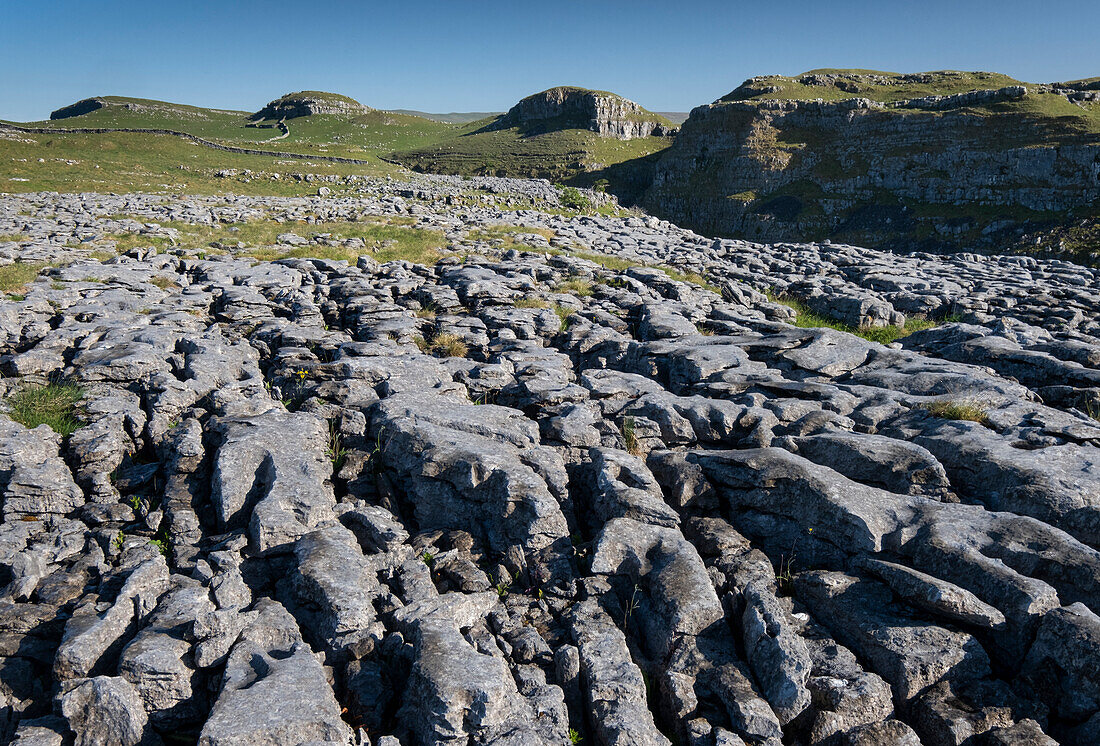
606	114
308	103
906	162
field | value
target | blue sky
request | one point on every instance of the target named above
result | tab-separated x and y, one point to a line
483	56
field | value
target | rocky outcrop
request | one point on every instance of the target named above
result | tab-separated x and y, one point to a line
566	107
308	103
959	171
84	106
617	507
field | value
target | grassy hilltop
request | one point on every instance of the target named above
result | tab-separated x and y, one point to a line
894	88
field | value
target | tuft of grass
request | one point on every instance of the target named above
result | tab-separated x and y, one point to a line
442	345
630	438
449	345
948	409
14	276
576	286
574	736
531	303
565	315
693	277
164	283
336	450
53	405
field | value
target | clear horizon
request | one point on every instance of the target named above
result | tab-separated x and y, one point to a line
484	56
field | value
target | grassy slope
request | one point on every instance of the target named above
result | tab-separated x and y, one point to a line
559	154
125	162
453	117
355	137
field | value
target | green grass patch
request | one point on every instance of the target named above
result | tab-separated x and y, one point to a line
693	277
878	86
565	315
442	345
126	163
53	405
560	155
363	136
531	303
969	411
578	286
385	239
746	196
809	319
14	276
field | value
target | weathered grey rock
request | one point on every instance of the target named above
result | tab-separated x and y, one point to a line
456	693
1024	733
273	691
932	594
625	488
778	656
47	731
612	684
1058	664
671	573
92	638
106	709
270	474
893	465
332	575
908	653
159	663
466	466
34	479
845	696
490	545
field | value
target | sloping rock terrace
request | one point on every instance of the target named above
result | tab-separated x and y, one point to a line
670	517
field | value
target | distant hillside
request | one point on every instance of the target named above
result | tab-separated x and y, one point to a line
141	109
938	161
318	123
676	117
454	117
562	133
